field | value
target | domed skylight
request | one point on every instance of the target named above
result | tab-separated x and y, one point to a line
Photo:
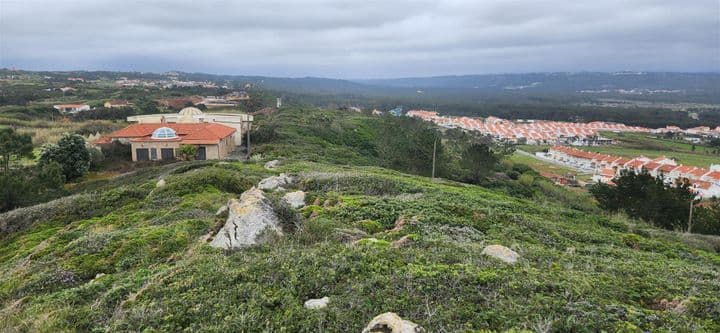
164	133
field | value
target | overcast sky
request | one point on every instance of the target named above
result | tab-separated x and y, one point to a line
361	39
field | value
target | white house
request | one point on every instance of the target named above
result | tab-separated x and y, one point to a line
71	108
705	189
239	121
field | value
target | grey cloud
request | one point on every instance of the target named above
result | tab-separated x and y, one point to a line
361	39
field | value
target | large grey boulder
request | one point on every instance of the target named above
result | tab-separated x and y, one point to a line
275	182
295	199
250	220
500	252
390	322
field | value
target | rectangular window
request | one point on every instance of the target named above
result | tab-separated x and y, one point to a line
141	154
153	154
167	154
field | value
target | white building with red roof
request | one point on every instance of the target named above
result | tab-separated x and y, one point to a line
162	141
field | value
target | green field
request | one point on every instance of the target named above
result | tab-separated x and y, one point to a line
541	166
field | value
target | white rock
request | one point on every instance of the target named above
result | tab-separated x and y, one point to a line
391	322
249	219
272	164
221	210
317	303
295	199
500	252
274	182
160	183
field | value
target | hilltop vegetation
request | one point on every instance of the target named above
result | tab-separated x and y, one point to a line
126	255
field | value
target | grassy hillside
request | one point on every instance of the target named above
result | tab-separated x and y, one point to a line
125	255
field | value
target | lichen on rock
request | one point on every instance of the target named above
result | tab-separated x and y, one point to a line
249	220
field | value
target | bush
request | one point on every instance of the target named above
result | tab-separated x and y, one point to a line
355	184
70	152
526	179
201	180
117	151
648	198
187	152
371	226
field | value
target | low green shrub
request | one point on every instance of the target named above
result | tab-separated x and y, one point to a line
370	226
205	178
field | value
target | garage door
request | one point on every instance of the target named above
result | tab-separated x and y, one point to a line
142	154
167	154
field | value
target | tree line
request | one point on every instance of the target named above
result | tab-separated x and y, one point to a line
663	204
22	185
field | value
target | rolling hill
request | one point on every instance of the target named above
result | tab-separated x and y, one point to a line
131	255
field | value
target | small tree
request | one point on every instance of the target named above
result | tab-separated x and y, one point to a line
28	185
646	197
70	152
13	145
187	152
479	160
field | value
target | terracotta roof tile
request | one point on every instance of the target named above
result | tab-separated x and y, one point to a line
202	133
699	172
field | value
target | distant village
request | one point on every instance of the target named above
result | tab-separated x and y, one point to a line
210	102
543	132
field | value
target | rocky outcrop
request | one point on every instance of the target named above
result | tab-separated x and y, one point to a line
295	199
272	164
275	182
390	322
317	303
500	252
250	220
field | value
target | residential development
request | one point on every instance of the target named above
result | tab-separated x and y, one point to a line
543	132
530	131
704	181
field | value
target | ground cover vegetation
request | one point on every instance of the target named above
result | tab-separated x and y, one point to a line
126	255
134	257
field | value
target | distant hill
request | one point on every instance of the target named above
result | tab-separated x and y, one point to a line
568	82
649	84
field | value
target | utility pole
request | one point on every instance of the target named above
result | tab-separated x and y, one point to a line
433	165
690	218
248	139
